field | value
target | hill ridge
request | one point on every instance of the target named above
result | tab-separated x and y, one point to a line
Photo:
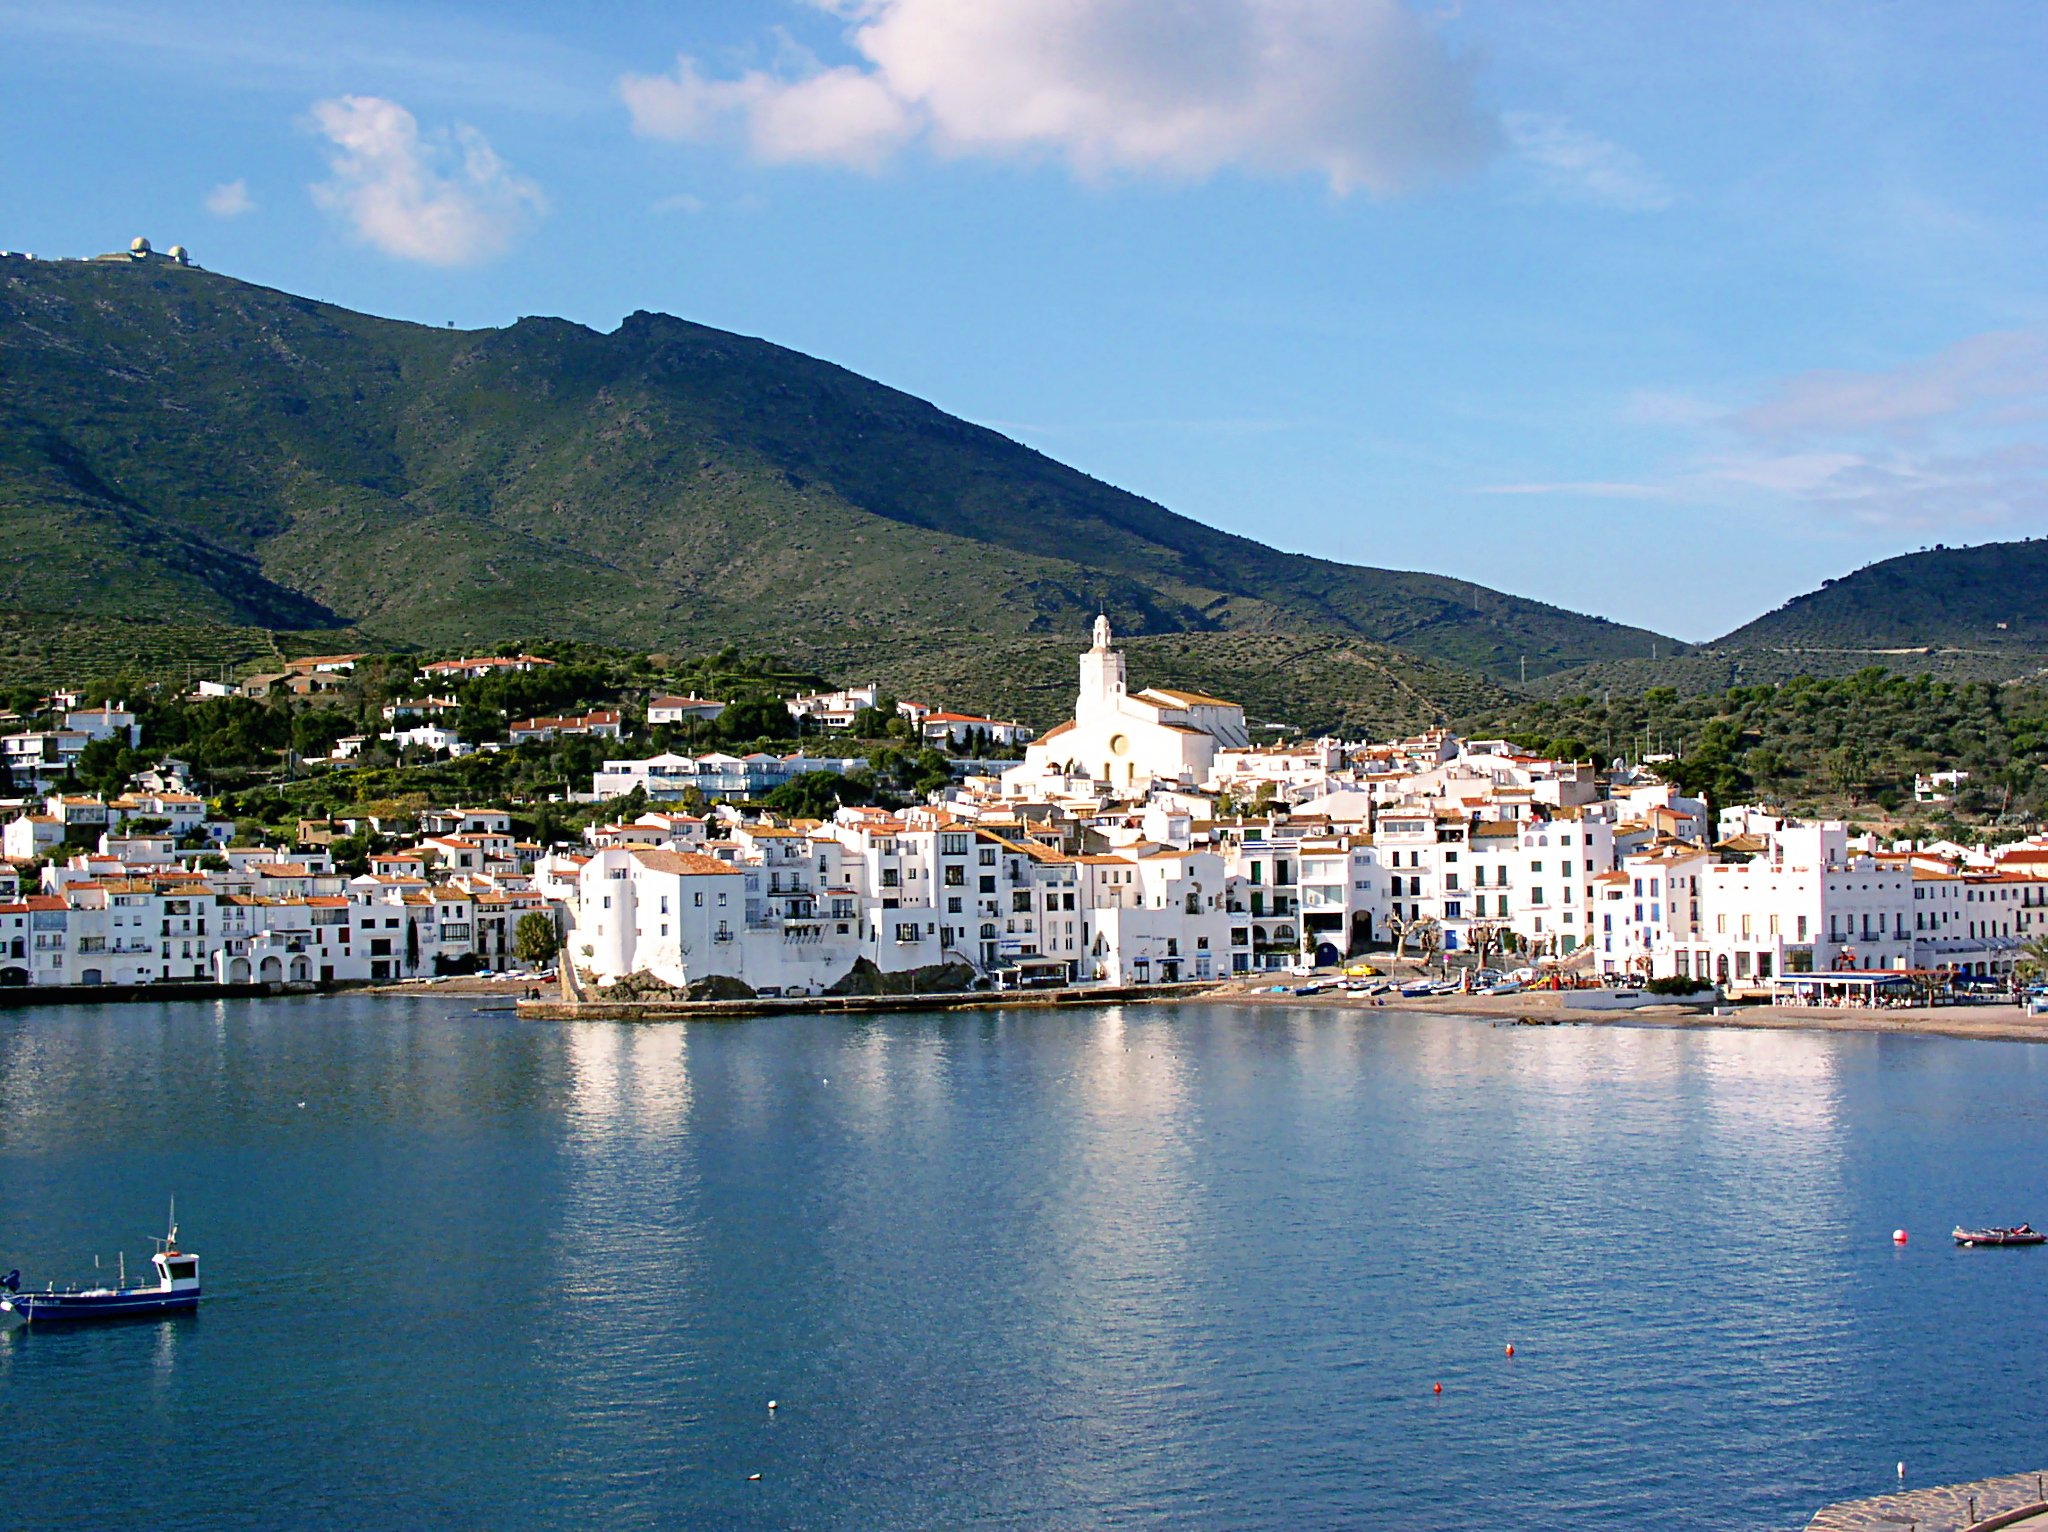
254	457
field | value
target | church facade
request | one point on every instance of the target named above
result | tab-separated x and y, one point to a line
1132	741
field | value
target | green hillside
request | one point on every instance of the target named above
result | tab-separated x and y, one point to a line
1317	682
1845	746
178	445
1993	597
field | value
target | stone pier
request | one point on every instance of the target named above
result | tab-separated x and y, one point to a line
2017	1500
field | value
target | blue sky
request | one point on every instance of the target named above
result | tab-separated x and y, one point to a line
1663	312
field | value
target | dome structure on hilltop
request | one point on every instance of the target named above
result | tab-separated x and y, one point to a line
138	246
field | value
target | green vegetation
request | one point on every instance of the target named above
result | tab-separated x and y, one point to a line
534	940
1848	746
1311	682
173	441
1994	596
267	760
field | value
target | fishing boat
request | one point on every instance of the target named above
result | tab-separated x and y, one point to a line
175	1291
2023	1234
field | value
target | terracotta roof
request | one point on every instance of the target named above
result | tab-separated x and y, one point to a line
1186	699
687	864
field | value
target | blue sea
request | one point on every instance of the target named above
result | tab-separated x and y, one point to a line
1196	1266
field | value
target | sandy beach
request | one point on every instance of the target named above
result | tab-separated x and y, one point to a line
1999	1023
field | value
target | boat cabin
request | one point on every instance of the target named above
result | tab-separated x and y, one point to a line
177	1271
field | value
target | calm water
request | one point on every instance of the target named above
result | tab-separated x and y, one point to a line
1148	1267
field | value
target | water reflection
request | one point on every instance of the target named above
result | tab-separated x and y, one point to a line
1149	1265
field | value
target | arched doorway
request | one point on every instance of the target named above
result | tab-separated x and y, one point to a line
13	976
301	970
238	971
1721	968
91	976
271	970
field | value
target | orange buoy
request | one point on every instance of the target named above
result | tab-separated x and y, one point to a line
1438	1389
1511	1348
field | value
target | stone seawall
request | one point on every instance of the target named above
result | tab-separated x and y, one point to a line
836	1005
20	996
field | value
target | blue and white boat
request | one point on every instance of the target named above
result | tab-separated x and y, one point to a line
175	1291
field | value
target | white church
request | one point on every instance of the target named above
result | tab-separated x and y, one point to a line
1132	741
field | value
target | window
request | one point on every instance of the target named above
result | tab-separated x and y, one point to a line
1020	902
988	884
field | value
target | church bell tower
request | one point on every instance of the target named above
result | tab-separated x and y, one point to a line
1102	676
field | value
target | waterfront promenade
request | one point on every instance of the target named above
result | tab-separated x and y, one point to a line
1988	1023
2016	1500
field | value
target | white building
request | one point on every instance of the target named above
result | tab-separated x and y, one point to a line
661	710
1129	741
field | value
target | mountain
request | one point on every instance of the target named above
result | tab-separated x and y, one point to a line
1994	596
181	445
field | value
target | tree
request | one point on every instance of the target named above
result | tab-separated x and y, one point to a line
1420	929
755	717
2033	959
815	795
105	765
1483	940
534	940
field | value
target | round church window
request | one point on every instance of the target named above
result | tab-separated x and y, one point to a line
1118	744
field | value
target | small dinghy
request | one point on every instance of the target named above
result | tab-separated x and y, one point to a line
2023	1234
175	1291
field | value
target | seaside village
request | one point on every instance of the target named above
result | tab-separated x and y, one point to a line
1146	840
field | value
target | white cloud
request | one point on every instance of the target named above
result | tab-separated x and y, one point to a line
230	199
843	115
1981	376
444	198
1956	440
1362	93
1570	164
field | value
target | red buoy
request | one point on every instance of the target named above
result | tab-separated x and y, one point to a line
1898	1236
1438	1389
1511	1348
